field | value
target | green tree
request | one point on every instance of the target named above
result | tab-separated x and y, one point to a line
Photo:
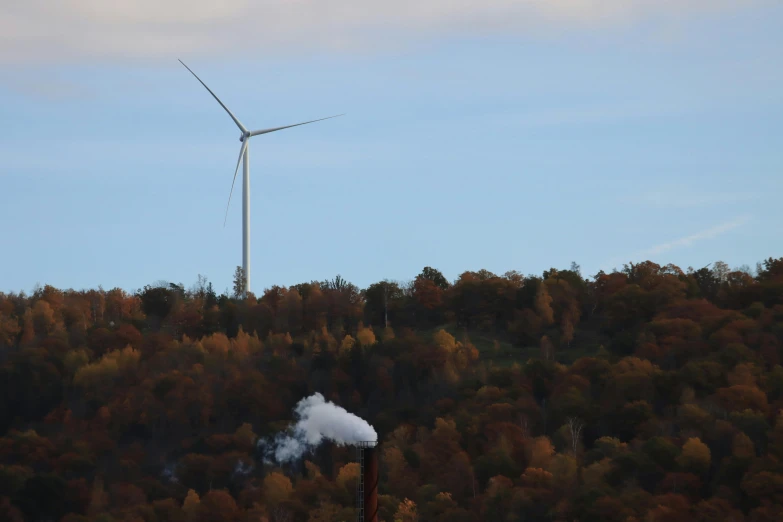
435	276
239	282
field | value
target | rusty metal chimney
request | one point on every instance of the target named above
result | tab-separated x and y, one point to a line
367	495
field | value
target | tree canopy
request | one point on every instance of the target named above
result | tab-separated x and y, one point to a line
651	393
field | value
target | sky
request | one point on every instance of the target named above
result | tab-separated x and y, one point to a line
504	135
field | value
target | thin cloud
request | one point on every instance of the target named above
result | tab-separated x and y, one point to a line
686	241
710	233
49	89
39	31
686	199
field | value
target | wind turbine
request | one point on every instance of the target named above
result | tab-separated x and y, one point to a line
244	154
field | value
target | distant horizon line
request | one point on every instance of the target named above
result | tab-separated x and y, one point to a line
165	283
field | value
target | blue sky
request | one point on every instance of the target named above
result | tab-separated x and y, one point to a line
495	138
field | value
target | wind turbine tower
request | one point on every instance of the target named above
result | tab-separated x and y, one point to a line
244	158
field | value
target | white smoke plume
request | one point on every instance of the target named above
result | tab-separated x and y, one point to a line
169	473
317	420
241	468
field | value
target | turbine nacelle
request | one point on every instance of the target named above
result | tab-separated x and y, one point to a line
243	136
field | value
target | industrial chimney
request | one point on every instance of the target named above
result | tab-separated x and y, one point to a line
367	495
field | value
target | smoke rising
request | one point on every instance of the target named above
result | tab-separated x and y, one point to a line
317	420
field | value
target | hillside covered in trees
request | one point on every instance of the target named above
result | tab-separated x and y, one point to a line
651	394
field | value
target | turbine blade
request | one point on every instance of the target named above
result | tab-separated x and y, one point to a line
241	155
239	124
273	129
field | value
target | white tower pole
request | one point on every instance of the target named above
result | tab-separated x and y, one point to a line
246	216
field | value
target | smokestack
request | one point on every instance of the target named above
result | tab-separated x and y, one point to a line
368	482
370	485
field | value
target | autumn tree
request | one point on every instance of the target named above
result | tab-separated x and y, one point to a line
277	488
365	336
406	512
543	305
541	452
218	506
191	506
695	455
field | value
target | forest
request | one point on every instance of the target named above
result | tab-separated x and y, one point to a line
649	394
